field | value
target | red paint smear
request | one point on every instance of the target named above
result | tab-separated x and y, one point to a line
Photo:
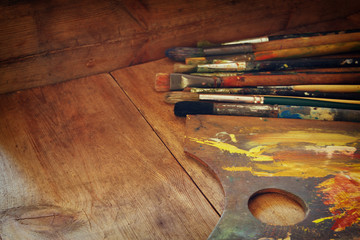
347	221
343	193
265	55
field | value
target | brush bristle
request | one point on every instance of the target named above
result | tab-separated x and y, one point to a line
174	97
162	82
181	109
181	53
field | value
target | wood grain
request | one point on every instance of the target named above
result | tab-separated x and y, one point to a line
49	42
138	82
78	161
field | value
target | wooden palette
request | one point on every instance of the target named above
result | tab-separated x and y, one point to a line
315	163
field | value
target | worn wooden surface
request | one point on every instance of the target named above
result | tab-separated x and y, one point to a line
53	41
101	157
169	128
314	163
78	161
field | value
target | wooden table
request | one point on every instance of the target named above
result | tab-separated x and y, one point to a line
101	158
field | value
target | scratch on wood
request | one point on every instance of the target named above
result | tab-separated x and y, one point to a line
87	217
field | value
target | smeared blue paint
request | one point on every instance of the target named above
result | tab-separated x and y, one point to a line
289	114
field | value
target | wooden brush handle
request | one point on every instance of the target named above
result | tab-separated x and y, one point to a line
312	51
306	41
282	44
289	79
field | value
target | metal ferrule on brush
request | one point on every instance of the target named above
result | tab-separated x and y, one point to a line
222	67
250	40
231	98
180	81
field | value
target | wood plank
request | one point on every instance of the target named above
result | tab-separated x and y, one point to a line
64	40
47	27
78	161
138	83
52	68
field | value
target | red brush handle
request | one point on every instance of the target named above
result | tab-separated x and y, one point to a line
248	80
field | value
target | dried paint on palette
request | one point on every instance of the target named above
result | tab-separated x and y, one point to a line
304	155
342	194
290	154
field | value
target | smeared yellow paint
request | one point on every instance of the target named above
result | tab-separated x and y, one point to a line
335	146
254	154
288	237
318	138
321	114
322	219
238	169
289	169
233	138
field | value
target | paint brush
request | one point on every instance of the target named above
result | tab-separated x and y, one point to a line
277	91
178	81
288	53
182	109
298	88
274	65
306	70
175	97
276	37
181	53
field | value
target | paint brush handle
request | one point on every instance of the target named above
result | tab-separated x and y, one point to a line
180	81
309	102
319	50
279	65
336	89
275	54
306	41
285	111
328	88
272	100
278	37
280	92
281	44
310	34
248	80
182	109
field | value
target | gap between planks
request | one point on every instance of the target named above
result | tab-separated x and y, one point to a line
169	150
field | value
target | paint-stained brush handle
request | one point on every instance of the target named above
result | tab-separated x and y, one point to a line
319	50
277	37
279	92
314	88
281	44
276	54
248	80
180	81
181	109
181	53
273	65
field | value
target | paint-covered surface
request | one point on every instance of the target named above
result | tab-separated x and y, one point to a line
345	208
317	161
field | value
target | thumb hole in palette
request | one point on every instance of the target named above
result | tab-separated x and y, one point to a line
277	207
